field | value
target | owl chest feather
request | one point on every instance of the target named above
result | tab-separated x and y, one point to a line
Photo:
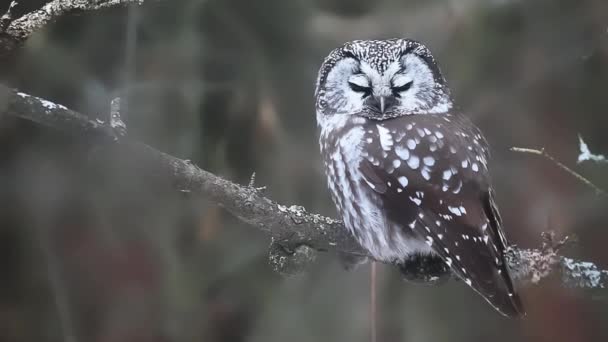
344	146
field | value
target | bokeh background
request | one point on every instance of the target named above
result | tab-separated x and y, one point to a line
103	250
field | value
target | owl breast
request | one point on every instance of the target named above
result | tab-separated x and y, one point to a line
344	145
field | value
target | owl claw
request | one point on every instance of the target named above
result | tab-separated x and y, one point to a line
350	262
425	270
287	261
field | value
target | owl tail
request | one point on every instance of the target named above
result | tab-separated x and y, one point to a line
501	294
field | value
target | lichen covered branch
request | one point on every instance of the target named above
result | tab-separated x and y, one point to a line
15	31
294	231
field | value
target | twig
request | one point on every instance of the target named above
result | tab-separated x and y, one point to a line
576	175
252	180
290	226
116	123
6	19
586	154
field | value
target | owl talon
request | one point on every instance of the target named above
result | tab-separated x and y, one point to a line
287	261
350	262
425	270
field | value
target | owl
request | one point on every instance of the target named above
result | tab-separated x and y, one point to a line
408	174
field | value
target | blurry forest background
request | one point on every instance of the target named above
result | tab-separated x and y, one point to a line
91	251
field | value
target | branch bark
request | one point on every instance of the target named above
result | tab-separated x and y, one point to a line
15	31
294	231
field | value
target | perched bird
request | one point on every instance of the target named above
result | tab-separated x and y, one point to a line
409	174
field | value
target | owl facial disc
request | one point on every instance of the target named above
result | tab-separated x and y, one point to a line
381	79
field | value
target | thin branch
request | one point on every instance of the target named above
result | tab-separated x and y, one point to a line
291	227
115	120
7	18
20	29
575	174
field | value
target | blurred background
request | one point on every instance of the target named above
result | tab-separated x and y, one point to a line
93	250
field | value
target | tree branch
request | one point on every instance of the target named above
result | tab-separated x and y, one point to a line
561	165
15	31
291	228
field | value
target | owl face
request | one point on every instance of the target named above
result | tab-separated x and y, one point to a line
381	79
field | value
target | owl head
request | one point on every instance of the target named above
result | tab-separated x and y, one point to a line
381	79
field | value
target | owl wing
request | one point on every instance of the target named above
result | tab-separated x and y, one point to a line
430	173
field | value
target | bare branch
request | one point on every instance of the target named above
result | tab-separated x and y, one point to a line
18	30
559	164
290	227
6	19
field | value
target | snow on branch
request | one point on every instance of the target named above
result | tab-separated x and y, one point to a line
295	233
587	155
15	31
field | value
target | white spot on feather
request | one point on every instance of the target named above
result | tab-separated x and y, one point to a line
457	189
455	211
425	173
448	261
386	139
402	152
429	161
447	174
411	144
418	201
413	162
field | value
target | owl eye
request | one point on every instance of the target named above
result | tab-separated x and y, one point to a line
366	91
400	89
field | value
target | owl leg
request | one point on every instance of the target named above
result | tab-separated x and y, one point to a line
350	262
424	269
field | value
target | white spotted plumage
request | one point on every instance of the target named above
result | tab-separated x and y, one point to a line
408	176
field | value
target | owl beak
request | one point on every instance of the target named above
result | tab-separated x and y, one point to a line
382	103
